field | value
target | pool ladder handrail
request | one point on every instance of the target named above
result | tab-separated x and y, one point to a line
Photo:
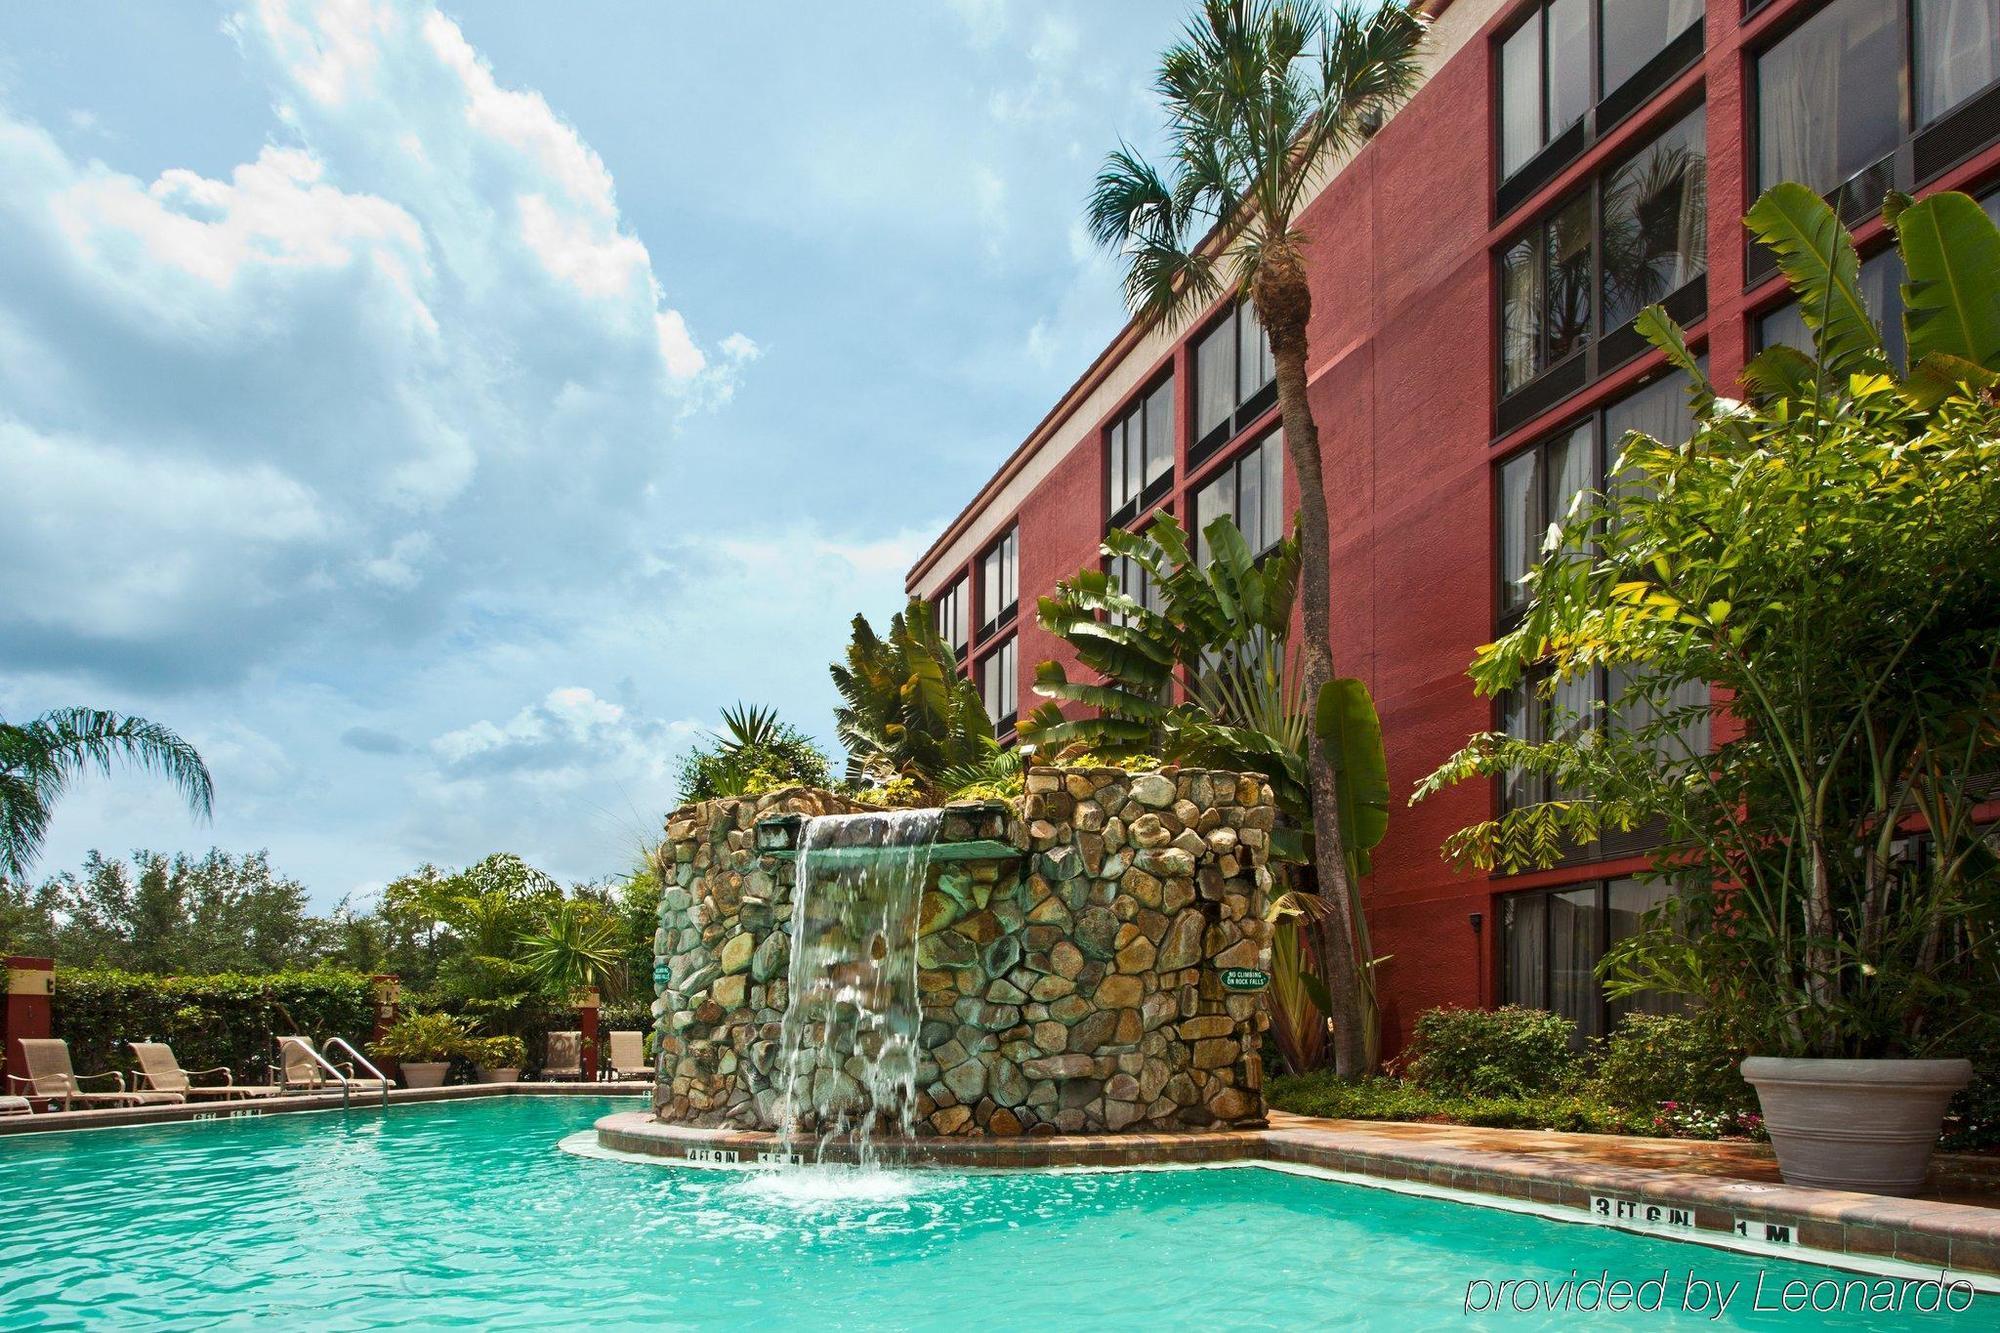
326	1065
381	1079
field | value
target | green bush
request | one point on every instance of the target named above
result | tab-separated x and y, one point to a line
1320	1093
417	1038
495	1052
230	1019
1507	1052
1653	1059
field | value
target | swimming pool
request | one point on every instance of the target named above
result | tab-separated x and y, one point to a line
466	1214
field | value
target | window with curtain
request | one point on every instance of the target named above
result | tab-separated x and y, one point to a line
1828	96
1957	47
1567	55
1649	241
1139	452
1552	941
1232	368
1654	227
953	616
1881	287
1250	489
999	582
1637	30
999	686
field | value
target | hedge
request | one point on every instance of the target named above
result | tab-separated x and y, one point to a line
227	1019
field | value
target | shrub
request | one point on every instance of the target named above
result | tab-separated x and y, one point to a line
422	1037
1654	1059
495	1052
230	1019
1321	1093
1507	1052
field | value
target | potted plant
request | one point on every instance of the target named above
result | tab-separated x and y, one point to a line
423	1044
499	1059
1814	574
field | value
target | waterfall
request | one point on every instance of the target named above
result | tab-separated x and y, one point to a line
848	1049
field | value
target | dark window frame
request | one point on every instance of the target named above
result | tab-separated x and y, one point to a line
1231	466
991	619
1003	726
1245	411
1601	350
1922	153
1159	488
1606	1011
955	601
1605	109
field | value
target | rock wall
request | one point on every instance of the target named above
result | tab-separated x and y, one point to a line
1074	985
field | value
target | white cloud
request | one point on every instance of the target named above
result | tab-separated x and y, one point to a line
330	387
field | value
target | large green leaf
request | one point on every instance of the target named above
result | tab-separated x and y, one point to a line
1817	257
1351	729
1951	298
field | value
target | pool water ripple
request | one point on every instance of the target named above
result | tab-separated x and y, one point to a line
466	1215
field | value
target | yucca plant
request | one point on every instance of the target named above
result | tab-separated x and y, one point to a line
1262	98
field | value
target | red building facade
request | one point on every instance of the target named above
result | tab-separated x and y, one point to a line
1475	267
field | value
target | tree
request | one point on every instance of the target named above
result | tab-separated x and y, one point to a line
905	713
755	752
40	758
1262	96
217	913
1823	557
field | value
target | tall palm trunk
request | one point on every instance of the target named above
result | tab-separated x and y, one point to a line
1284	306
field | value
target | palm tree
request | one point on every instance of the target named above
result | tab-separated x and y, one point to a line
905	712
40	758
1262	96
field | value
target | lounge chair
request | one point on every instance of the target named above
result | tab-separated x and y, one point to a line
301	1068
12	1105
50	1078
565	1057
628	1056
163	1073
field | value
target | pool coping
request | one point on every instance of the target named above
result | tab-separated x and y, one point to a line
110	1117
1813	1224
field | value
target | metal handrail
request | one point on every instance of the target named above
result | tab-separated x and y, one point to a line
346	1092
362	1060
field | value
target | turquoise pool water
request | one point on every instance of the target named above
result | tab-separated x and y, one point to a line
466	1214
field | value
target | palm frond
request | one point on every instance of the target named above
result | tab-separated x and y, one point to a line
41	758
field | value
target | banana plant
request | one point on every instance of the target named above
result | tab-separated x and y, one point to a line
905	712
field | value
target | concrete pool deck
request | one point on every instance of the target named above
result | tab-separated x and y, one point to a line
248	1108
1669	1187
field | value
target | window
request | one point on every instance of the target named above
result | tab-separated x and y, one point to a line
999	583
952	616
1827	96
1571	278
1139	453
1233	379
1135	581
1536	489
1250	489
1552	940
1569	56
1881	286
1957	45
999	687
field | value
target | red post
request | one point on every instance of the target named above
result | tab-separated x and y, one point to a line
388	995
30	986
586	1012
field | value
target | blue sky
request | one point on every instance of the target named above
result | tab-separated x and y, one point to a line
438	416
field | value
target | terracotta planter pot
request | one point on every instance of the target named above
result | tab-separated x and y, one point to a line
425	1073
1866	1125
499	1075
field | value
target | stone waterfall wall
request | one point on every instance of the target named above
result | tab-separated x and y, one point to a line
1074	986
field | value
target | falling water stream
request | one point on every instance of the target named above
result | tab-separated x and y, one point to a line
848	1049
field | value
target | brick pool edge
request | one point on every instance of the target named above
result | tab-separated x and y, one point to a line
42	1122
1822	1224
